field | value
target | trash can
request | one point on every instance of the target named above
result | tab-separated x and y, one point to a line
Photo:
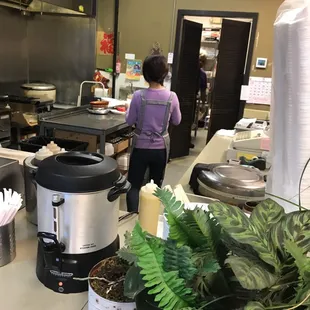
7	243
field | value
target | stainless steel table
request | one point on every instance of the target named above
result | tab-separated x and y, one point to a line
79	120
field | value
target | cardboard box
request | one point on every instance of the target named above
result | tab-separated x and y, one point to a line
92	140
121	146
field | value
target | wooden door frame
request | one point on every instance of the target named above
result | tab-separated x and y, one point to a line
221	14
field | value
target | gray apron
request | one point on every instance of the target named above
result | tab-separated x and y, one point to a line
164	131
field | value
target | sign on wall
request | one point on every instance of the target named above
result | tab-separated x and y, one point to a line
105	43
134	69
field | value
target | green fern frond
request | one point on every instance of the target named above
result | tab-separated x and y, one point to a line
170	290
179	259
127	237
127	255
173	211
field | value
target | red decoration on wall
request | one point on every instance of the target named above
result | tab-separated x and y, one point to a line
105	43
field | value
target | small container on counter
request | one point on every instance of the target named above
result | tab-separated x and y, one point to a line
123	163
109	149
53	147
43	153
8	243
149	208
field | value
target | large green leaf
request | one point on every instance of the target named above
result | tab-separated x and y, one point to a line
301	260
179	259
250	275
254	305
239	227
134	283
266	214
170	290
294	226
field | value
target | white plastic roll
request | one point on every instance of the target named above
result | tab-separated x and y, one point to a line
290	107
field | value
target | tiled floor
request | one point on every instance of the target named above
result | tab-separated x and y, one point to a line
19	287
176	168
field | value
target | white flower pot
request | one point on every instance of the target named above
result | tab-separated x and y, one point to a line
96	302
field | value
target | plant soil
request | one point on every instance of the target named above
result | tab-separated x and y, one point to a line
112	269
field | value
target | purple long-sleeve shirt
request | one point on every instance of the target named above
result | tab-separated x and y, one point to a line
153	117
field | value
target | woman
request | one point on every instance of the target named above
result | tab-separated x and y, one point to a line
151	110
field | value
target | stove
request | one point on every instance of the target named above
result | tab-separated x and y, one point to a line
25	104
23	107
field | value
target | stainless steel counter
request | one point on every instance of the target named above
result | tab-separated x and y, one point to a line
79	120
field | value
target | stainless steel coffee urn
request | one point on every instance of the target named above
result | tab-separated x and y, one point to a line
78	211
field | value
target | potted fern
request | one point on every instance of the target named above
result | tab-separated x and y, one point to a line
222	259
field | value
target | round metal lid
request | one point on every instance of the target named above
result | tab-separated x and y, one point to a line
38	86
234	179
77	172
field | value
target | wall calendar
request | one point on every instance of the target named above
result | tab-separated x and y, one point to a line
260	90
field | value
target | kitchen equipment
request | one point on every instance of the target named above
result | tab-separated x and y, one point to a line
30	170
99	104
5	127
233	184
24	110
78	205
79	99
41	91
7	243
27	7
98	111
31	165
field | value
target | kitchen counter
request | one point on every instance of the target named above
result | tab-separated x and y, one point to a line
19	287
81	121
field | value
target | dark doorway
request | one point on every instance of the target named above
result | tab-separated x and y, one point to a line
186	85
228	110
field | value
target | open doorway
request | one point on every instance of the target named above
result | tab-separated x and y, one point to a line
227	40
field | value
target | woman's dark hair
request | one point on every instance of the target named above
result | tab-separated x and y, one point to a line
155	69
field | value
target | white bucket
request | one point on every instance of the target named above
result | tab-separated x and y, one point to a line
96	302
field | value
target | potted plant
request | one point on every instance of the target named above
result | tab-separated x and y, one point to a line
106	285
222	259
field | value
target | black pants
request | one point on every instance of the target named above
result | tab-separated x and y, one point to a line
142	160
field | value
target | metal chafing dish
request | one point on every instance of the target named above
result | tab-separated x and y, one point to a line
232	184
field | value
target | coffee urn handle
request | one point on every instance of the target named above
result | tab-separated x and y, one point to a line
118	190
57	201
52	250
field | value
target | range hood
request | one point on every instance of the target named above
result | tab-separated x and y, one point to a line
69	7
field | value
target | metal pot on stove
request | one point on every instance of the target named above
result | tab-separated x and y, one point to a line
78	211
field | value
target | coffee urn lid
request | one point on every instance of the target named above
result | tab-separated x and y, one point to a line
77	172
